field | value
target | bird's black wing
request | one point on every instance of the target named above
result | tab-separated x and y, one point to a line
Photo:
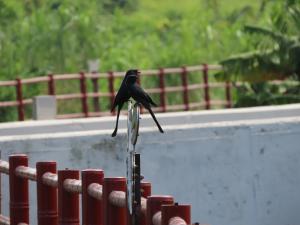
140	95
121	97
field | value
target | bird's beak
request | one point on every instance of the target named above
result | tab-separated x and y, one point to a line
138	72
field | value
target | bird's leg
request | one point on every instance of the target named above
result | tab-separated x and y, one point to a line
116	128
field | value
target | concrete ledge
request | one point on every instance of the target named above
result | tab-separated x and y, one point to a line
241	171
166	119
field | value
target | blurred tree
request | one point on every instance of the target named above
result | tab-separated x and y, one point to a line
276	57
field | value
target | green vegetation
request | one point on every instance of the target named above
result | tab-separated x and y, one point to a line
276	57
42	36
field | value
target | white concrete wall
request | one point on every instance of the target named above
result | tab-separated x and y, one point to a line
240	172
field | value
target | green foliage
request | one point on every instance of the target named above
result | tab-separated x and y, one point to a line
276	57
277	48
38	37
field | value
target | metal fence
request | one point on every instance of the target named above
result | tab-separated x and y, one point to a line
103	199
162	89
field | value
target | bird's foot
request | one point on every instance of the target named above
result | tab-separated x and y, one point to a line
114	133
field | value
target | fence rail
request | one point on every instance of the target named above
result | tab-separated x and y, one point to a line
103	199
84	94
88	91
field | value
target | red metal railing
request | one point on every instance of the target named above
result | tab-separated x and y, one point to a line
103	199
162	90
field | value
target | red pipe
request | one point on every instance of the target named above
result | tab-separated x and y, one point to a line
111	88
145	191
170	211
228	94
51	85
162	89
185	88
154	204
113	215
46	195
68	203
20	100
84	95
91	207
206	86
18	191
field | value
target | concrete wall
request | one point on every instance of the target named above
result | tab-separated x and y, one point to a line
239	172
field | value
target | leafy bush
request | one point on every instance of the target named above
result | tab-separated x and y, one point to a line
276	57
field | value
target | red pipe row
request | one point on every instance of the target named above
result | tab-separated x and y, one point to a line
111	76
57	204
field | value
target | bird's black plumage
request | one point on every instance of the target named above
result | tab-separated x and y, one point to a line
121	97
130	88
140	96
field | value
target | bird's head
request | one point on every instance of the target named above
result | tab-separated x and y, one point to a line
132	75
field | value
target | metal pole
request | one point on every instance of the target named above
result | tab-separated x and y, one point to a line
145	192
96	91
113	215
137	189
20	99
18	191
206	86
51	85
91	207
184	80
228	94
133	165
68	203
154	204
171	211
83	91
46	195
111	88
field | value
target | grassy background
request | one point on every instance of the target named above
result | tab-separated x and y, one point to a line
38	37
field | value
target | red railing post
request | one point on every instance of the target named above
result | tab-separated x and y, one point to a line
171	211
228	94
96	91
206	86
18	191
111	88
162	89
46	195
91	207
68	203
185	88
154	204
113	215
145	191
84	95
20	99
51	85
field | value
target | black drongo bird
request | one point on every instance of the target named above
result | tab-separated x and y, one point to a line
139	95
130	88
121	97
